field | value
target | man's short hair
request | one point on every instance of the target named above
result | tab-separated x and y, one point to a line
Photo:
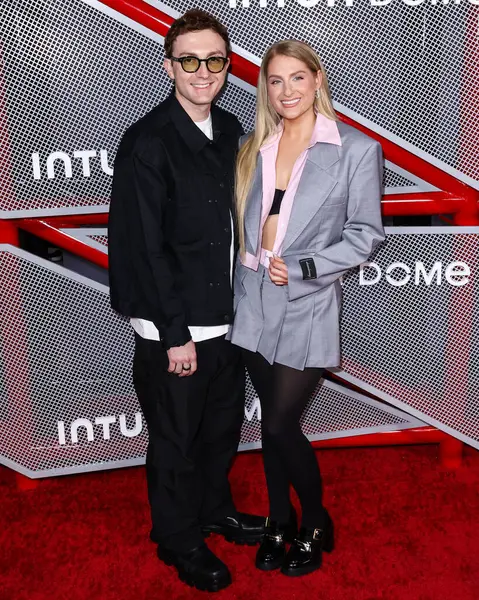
195	20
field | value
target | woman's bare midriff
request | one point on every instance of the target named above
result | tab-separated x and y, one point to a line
269	232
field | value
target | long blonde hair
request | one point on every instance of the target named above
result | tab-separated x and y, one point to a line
267	119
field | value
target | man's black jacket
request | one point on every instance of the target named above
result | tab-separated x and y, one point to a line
169	226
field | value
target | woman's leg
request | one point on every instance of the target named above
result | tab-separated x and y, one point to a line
261	375
289	396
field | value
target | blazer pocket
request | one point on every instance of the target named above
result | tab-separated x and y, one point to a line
336	211
334	201
331	225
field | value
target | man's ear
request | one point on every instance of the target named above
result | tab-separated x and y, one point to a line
169	68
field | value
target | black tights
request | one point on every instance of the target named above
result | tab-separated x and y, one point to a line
288	456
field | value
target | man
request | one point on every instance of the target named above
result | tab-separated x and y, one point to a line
171	256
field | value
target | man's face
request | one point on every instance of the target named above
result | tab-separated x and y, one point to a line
199	88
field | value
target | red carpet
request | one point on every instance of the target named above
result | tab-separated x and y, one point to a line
406	529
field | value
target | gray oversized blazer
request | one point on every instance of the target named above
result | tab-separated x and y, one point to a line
335	223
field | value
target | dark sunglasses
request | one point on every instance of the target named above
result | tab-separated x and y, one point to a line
190	64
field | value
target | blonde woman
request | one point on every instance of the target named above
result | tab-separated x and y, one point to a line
308	191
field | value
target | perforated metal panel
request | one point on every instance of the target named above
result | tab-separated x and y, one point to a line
73	79
399	181
409	71
100	239
333	411
64	354
414	344
67	402
67	94
413	339
96	237
392	179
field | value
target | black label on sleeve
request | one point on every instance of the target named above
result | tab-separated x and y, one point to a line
309	268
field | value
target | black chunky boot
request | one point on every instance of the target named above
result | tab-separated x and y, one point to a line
198	568
272	550
305	554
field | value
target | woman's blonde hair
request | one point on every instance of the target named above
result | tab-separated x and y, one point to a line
267	119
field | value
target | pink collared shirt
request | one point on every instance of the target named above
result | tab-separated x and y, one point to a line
325	130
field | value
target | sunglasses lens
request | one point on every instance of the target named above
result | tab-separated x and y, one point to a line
190	64
215	64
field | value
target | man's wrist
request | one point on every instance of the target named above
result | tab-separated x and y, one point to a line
176	336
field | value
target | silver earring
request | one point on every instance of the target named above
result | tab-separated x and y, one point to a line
318	93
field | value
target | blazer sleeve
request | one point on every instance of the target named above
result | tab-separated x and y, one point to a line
140	192
362	231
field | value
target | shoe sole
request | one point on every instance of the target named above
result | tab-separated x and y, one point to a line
269	567
244	541
305	571
249	541
213	586
299	572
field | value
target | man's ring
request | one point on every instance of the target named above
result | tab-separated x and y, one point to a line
186	366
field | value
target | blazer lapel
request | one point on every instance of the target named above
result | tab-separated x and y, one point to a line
253	209
318	180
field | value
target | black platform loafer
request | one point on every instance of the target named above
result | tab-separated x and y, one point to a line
272	551
240	528
305	553
198	568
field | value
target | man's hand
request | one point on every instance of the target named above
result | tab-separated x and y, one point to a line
181	357
278	271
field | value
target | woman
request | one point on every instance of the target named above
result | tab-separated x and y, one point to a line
308	192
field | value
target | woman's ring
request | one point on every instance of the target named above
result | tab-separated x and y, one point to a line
186	366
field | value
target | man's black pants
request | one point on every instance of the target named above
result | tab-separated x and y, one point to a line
194	426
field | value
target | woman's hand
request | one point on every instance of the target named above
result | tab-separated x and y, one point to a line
278	271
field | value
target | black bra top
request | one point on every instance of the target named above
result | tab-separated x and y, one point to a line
278	198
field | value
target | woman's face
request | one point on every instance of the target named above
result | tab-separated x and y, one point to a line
291	86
